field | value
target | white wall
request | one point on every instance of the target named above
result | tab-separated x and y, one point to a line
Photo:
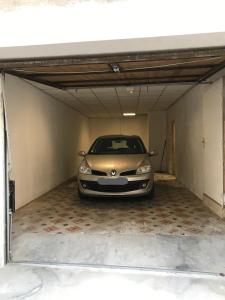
157	137
2	181
128	125
187	114
45	136
106	19
197	170
107	46
213	135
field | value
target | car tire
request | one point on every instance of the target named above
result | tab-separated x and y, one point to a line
151	194
82	196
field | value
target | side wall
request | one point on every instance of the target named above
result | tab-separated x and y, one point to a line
199	144
128	125
45	137
157	138
213	141
187	114
2	182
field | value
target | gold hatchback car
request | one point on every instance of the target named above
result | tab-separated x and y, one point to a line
116	165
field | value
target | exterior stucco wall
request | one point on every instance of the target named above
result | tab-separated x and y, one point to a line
101	20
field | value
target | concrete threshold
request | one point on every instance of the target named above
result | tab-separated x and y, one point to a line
193	255
23	280
123	269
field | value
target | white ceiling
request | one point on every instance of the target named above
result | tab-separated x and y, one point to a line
112	102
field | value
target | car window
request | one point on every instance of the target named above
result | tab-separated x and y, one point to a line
120	145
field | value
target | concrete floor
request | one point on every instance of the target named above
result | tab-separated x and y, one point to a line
48	283
175	231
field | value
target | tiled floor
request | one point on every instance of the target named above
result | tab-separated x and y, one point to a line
174	211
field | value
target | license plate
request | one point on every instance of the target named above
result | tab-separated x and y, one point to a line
113	181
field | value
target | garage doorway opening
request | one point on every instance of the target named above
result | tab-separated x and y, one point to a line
57	109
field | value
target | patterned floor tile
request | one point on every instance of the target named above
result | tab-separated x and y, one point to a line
174	211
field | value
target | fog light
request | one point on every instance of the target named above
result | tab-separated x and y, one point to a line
84	185
144	185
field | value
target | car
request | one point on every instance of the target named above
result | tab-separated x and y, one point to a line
116	165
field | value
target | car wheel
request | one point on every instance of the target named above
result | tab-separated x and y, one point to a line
151	194
82	196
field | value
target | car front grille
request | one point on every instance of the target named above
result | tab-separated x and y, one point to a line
128	173
98	173
125	173
130	186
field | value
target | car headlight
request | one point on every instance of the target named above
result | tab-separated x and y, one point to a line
144	169
84	168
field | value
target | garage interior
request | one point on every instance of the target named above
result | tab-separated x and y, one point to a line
58	106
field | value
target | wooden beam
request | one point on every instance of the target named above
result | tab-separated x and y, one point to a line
35	75
127	82
55	85
212	71
146	78
113	58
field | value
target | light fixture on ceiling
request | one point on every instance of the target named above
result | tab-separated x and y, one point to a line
115	68
129	114
130	89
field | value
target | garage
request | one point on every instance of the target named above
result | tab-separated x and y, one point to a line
56	107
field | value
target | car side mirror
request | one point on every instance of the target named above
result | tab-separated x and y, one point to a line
82	153
152	153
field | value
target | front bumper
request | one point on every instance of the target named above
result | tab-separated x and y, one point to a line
137	185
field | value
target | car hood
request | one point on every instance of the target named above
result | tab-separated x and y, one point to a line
118	162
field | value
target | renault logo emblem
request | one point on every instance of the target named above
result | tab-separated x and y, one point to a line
113	172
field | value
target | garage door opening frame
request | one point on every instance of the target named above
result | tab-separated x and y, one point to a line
5	215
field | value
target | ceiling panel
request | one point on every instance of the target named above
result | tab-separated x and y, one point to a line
155	88
104	91
108	99
149	98
111	102
85	96
88	100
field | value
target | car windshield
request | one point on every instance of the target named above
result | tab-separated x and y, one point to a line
118	145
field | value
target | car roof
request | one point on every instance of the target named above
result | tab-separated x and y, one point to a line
117	136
